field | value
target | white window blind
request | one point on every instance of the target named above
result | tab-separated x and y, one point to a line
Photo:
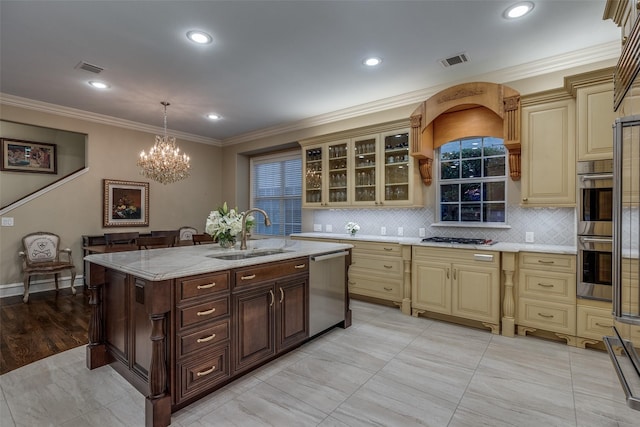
276	187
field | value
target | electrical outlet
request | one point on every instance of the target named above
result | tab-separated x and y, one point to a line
383	231
400	231
7	221
328	228
528	237
317	227
422	232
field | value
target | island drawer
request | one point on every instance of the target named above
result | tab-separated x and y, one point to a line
199	286
203	312
550	316
548	285
198	374
379	264
548	262
391	249
269	272
203	338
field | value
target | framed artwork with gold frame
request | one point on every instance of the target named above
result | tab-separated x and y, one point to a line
126	203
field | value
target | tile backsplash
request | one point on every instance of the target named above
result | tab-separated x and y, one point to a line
550	226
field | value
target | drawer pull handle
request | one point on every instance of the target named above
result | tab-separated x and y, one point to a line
388	266
206	339
542	261
388	249
602	325
300	266
352	282
547	316
207	372
388	289
206	312
272	297
447	273
209	286
545	285
281	295
249	277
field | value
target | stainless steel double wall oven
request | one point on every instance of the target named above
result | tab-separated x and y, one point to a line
595	229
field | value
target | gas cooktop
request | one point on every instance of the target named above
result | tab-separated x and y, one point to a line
459	240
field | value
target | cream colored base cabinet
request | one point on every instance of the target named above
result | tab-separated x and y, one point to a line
547	294
457	282
593	322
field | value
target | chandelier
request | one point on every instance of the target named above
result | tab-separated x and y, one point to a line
164	163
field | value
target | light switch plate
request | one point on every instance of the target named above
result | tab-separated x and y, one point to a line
528	237
328	228
7	221
422	232
317	227
400	231
383	231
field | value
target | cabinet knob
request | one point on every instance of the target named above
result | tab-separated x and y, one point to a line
524	199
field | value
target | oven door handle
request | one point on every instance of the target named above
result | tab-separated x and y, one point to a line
592	177
596	239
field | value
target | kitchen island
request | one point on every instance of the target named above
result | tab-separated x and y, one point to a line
179	323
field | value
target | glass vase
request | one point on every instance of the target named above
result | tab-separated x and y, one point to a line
227	242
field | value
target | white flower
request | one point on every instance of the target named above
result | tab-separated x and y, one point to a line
226	222
352	227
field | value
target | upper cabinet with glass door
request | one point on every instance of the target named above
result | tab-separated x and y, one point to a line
371	168
326	175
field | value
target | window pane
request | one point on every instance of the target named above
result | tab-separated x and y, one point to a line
470	212
450	193
472	148
472	168
449	212
493	212
493	147
450	170
450	151
470	192
494	166
494	191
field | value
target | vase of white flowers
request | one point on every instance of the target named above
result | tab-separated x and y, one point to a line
225	224
352	228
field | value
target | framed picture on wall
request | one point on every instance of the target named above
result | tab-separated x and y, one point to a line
28	156
126	203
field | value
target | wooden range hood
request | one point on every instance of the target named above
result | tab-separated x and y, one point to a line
466	110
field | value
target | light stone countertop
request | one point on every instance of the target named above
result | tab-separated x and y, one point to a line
171	263
417	241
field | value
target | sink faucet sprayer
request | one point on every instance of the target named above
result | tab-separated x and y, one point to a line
267	222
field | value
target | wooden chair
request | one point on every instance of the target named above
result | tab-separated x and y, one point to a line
174	233
202	238
186	233
41	255
154	242
121	238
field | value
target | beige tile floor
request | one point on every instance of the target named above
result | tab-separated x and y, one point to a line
388	369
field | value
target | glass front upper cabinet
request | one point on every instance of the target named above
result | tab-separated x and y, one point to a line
326	180
397	169
365	170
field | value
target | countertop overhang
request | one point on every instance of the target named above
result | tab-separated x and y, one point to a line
171	263
417	241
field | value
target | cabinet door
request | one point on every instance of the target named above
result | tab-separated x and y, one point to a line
476	293
254	326
338	179
365	170
548	154
313	181
431	288
397	174
595	118
292	318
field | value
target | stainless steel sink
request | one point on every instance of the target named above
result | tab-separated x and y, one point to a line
248	254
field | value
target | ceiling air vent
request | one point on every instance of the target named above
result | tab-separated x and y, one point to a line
89	67
454	60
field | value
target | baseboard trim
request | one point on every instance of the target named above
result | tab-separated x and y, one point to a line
15	289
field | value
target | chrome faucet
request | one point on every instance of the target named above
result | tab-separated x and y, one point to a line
243	239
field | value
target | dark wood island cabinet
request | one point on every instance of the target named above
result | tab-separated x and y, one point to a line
177	339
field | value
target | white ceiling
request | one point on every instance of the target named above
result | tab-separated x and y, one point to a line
272	63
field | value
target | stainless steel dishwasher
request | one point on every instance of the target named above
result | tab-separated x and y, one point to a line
327	293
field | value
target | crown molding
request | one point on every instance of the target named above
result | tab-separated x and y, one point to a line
594	54
45	107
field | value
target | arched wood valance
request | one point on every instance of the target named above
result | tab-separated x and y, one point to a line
465	110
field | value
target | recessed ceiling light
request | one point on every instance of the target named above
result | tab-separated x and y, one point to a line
199	37
213	116
372	62
518	10
99	85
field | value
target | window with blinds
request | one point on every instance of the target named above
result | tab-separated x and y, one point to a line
276	187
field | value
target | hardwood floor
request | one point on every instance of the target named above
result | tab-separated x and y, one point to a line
50	323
